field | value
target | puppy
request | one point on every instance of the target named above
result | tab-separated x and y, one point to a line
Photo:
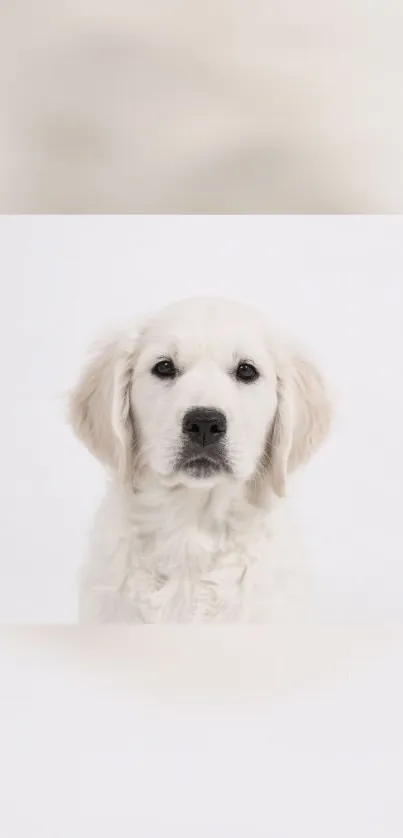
199	414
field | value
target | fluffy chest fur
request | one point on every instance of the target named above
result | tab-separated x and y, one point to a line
170	555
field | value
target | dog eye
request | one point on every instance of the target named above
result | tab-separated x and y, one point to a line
164	369
246	372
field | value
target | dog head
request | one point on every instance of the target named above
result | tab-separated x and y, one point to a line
203	392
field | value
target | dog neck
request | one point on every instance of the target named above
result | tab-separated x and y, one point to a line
182	553
208	506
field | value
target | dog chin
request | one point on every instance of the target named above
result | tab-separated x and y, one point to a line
197	474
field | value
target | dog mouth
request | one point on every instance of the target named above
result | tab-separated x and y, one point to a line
202	465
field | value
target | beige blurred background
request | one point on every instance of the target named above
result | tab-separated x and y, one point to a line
222	106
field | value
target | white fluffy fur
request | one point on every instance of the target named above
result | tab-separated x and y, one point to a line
167	547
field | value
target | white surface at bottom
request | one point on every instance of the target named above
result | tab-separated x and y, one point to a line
112	733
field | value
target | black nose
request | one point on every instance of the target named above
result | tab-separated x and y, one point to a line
204	426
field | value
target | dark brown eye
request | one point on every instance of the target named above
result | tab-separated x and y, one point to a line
165	369
246	372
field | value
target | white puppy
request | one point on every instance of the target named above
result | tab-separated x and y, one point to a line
200	414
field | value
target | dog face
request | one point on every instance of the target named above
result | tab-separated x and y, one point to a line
202	393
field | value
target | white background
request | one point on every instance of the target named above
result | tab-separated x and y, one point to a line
183	734
337	283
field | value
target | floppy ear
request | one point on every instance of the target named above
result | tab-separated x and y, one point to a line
99	405
302	420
